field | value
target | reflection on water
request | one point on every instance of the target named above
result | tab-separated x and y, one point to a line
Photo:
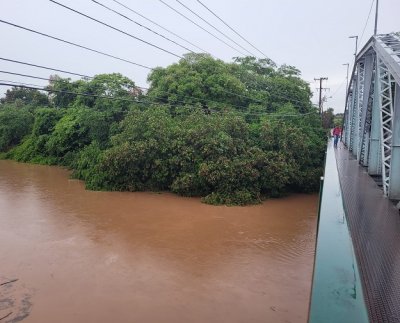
87	256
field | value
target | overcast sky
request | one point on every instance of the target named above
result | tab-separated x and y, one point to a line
309	34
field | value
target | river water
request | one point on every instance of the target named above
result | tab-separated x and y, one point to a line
83	256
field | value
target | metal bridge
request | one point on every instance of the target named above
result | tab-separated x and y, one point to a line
357	261
372	115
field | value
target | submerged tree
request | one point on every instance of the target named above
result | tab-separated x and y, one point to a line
232	133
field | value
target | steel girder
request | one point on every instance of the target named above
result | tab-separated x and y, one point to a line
353	115
346	123
359	108
386	116
372	113
394	188
374	156
366	115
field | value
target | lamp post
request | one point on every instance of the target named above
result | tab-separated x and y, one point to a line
355	53
356	37
376	18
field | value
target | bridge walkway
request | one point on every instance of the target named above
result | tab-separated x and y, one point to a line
374	224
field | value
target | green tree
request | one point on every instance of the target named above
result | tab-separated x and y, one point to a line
328	119
232	133
14	125
63	89
22	96
197	79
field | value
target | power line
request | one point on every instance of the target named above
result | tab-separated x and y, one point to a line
340	86
158	25
43	67
39	88
105	54
49	80
231	28
25	75
199	100
366	23
195	23
145	88
15	83
140	87
212	26
75	44
116	29
90	77
143	26
270	114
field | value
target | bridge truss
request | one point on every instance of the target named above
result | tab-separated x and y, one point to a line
372	113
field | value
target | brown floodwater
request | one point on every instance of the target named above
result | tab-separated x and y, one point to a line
83	256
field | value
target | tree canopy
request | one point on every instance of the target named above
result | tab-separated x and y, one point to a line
232	133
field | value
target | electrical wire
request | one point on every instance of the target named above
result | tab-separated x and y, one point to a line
143	26
43	67
49	80
200	100
15	83
75	44
231	28
111	56
39	88
202	28
116	29
340	86
25	75
90	77
158	25
215	28
145	88
366	23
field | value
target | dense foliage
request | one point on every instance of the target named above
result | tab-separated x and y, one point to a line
230	133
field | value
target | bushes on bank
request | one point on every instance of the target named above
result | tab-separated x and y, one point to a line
15	123
232	151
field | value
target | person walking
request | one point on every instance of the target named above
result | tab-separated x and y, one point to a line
337	132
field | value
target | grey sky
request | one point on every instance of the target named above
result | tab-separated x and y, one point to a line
310	34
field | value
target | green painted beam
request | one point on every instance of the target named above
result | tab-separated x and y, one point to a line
337	294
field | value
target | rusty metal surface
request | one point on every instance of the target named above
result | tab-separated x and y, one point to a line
374	224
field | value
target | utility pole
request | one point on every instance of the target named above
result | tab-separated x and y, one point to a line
376	18
320	102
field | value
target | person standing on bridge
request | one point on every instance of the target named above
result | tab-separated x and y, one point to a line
337	132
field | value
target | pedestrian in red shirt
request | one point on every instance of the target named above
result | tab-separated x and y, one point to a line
337	132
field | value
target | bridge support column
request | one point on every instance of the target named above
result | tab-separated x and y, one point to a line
366	110
374	164
386	117
359	108
347	125
394	182
353	115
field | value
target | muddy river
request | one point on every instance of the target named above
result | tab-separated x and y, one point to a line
71	255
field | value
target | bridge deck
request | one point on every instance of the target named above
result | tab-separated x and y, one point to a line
374	224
